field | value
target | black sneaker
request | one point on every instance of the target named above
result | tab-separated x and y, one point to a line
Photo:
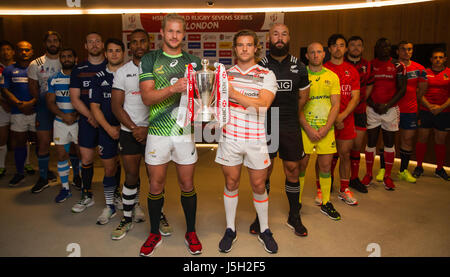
418	171
76	182
295	223
441	173
51	176
227	241
329	210
29	170
356	184
40	185
266	238
15	181
254	227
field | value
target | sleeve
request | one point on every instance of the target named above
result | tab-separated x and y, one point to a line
146	68
303	74
6	78
336	86
50	88
95	95
355	79
270	82
119	80
423	75
75	81
32	70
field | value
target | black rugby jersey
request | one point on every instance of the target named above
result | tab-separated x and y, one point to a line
292	76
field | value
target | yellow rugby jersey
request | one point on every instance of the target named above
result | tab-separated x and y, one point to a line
323	84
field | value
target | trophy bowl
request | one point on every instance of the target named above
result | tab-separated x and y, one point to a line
205	82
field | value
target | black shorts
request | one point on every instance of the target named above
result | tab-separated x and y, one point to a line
441	121
360	121
290	146
128	145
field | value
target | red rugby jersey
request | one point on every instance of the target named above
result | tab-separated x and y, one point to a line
416	74
438	88
348	79
363	68
383	76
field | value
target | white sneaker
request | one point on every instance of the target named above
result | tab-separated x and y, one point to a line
118	203
138	213
347	197
84	203
107	213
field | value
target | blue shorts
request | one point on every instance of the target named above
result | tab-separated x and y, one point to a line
44	118
87	135
107	147
440	122
408	121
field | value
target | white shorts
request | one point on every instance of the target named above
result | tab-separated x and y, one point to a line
23	123
64	134
162	149
5	117
388	121
254	154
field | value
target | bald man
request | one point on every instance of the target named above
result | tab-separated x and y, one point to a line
293	91
317	121
23	114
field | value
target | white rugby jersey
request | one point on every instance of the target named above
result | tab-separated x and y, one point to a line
247	124
41	69
127	80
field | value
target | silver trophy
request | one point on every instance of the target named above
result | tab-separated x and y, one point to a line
205	79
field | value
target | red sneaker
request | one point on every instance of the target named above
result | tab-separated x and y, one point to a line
366	180
153	241
388	183
193	243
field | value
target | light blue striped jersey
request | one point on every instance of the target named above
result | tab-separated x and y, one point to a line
59	85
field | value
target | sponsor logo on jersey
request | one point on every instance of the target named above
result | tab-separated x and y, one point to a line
131	75
159	70
173	63
284	85
173	80
105	83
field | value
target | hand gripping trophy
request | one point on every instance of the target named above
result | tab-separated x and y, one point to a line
206	98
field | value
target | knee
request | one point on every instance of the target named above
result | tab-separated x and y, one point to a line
231	184
110	171
259	187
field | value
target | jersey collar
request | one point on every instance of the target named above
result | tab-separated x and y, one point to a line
288	57
316	73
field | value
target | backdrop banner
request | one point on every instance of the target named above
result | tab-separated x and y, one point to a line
208	35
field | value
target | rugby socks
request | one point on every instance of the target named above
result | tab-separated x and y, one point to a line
382	164
230	200
20	155
370	157
389	156
155	203
293	195
109	185
344	184
405	156
3	152
301	181
261	203
128	199
63	172
355	158
87	173
421	149
43	165
75	162
325	186
334	162
189	204
440	155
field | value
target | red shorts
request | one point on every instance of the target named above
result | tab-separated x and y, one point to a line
349	130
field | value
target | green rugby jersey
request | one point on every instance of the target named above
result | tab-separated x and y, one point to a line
165	70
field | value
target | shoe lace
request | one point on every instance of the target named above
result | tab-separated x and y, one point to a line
192	238
349	193
151	241
121	224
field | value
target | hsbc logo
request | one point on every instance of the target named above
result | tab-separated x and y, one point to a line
284	85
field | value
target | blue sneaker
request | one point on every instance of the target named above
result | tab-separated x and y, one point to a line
63	195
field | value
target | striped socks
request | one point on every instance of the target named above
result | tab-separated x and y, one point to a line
109	186
155	203
230	200
189	203
294	196
128	200
63	172
261	203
